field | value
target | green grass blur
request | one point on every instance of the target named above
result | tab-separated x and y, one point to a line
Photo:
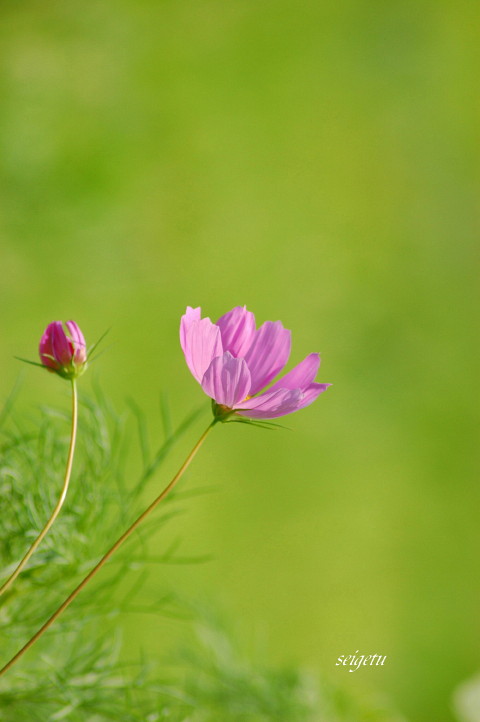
317	161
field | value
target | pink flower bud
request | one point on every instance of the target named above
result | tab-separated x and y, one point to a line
62	352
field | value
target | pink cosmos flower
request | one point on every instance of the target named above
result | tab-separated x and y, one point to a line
64	353
233	361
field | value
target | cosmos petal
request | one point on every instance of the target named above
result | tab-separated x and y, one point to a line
311	393
190	315
202	344
45	349
301	375
227	380
62	346
80	355
238	330
271	404
268	354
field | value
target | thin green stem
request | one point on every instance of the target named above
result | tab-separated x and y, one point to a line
110	552
68	471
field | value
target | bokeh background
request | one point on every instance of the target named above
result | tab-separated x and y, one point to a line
317	161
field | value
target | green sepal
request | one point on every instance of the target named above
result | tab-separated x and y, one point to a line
229	416
220	412
94	346
33	363
255	422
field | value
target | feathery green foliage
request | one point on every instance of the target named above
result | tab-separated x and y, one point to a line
76	671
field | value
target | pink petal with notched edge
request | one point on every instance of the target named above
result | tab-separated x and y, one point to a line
268	353
202	344
301	375
190	315
227	380
62	346
311	393
238	329
266	400
279	402
270	404
80	355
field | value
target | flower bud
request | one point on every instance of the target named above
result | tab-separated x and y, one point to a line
63	352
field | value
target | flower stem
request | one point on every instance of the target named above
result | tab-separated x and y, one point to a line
68	470
110	552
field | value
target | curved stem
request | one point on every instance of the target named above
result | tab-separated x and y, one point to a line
6	585
110	552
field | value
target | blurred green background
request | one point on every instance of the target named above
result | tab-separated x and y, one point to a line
317	161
